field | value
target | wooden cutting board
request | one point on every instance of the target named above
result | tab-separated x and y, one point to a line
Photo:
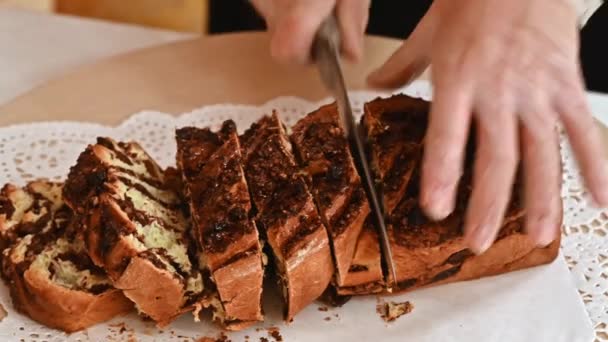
180	76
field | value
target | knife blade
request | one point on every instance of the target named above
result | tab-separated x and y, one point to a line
325	53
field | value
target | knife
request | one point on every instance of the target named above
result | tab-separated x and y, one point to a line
325	52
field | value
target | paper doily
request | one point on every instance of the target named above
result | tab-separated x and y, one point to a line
36	150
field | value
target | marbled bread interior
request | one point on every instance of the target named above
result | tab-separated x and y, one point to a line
50	275
137	228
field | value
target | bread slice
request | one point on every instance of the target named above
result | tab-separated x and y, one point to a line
50	276
324	154
226	237
365	274
286	214
427	252
136	227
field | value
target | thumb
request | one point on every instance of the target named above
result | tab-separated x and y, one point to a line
409	61
294	29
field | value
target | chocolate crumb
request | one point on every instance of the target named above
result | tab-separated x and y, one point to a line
323	308
275	333
327	318
263	339
390	311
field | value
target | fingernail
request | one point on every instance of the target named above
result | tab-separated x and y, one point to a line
543	233
480	240
601	195
545	238
438	204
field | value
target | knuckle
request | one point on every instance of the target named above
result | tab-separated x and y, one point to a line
543	213
502	155
574	108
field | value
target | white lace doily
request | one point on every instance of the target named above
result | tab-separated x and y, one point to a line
35	150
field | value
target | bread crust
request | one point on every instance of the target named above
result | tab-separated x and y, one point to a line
509	254
61	308
155	291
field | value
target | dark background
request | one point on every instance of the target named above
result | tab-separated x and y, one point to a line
398	19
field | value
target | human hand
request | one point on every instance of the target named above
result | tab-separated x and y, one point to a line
293	24
512	68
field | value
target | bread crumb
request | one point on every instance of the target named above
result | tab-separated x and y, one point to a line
275	333
221	338
390	311
3	312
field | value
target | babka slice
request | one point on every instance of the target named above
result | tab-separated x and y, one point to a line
365	274
136	227
286	214
325	156
227	239
427	252
50	276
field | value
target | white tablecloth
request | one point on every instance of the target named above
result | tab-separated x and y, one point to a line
36	47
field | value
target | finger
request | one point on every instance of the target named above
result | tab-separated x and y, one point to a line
444	145
493	174
266	8
542	176
586	141
409	61
295	27
352	18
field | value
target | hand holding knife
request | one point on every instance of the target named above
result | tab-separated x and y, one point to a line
325	52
